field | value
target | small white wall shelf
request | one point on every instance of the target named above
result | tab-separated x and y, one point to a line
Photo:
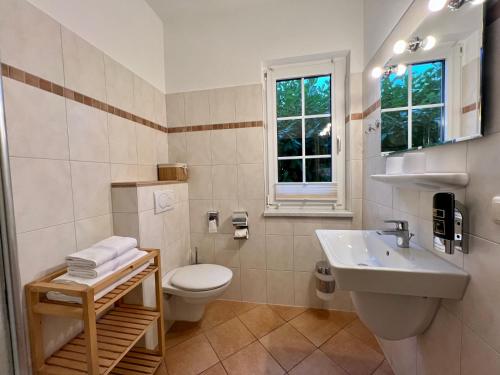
425	181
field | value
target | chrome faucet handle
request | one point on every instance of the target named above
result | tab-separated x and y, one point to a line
400	224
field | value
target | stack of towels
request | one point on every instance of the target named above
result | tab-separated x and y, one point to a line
97	262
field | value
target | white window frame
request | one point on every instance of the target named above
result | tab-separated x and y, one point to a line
337	67
452	56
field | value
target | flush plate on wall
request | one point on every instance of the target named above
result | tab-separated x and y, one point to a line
164	200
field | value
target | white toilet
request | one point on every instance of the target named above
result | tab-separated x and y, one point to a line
188	289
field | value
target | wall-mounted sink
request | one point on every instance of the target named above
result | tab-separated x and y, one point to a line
396	291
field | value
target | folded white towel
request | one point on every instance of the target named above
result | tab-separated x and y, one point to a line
104	269
68	279
101	252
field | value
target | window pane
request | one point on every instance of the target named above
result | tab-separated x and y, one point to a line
290	170
427	126
318	136
317	95
319	170
288	98
289	137
427	83
394	91
394	131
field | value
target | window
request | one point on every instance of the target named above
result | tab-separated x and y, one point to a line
305	102
413	107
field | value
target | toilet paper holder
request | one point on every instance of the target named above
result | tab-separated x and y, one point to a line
240	223
213	215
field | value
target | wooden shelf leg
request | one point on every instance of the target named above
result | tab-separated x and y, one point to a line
90	330
159	306
35	332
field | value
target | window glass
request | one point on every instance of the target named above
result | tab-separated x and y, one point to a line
317	95
394	91
290	170
289	137
319	170
426	129
318	136
289	98
427	83
394	131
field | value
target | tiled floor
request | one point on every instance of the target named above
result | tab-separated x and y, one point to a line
238	338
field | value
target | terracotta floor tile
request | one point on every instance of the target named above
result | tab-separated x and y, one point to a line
317	364
358	329
229	337
317	325
287	312
190	357
261	320
162	370
180	332
217	312
218	369
384	369
287	346
352	354
253	360
241	307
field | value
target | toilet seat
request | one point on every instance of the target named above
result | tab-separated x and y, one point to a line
201	277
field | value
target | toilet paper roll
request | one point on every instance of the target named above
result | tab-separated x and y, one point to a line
241	233
212	226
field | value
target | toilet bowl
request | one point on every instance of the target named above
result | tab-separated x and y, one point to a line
188	289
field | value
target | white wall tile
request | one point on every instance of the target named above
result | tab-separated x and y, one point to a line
119	85
146	145
279	287
122	140
226	207
35	130
83	66
305	290
249	103
124	199
250	145
233	292
48	246
88	133
197	108
38	186
222	105
253	285
279	252
144	98
31	40
177	148
200	182
205	245
477	357
224	181
151	233
162	148
92	230
91	189
126	224
306	252
198	148
223	145
255	209
279	225
123	172
253	252
175	110
198	209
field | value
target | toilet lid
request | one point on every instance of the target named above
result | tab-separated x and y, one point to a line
200	277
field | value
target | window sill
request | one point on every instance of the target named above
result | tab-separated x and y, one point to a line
306	212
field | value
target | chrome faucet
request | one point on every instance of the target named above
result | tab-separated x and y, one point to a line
401	232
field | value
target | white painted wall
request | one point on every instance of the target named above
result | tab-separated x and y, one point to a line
375	31
218	43
128	31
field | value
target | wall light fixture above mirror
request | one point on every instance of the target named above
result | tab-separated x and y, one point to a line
430	88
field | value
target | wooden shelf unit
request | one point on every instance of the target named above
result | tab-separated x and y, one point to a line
107	344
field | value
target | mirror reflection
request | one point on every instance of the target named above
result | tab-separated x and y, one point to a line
431	87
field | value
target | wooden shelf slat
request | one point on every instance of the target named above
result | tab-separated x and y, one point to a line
138	362
113	343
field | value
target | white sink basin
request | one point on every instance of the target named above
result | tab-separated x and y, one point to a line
395	290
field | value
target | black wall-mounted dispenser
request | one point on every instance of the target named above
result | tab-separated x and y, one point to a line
448	223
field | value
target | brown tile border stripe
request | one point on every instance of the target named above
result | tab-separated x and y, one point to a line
42	84
470	108
367	112
231	125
